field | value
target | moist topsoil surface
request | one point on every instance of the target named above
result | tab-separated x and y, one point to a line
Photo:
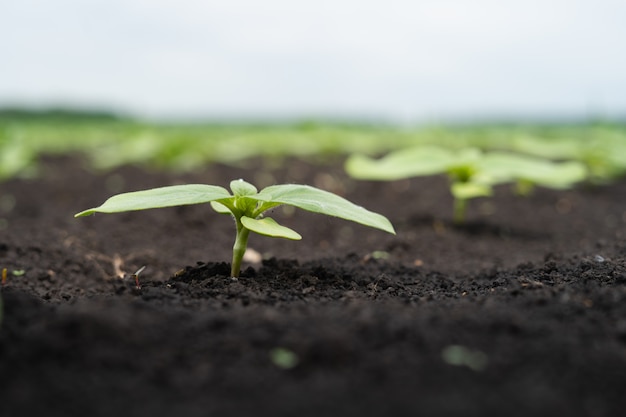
519	312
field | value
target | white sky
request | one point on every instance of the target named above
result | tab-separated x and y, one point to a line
396	59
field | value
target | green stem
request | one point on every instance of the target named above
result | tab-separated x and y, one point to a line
239	249
460	206
524	188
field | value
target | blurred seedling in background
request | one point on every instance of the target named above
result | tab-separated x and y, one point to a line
16	159
472	173
5	275
247	206
467	179
135	276
284	358
458	355
602	154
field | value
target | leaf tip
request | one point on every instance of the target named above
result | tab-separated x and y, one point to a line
84	213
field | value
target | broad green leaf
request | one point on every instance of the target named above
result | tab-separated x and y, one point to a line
220	208
323	202
412	162
242	188
562	148
406	163
501	167
557	175
539	171
466	157
175	195
268	227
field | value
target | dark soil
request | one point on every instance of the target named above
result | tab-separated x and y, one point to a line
521	312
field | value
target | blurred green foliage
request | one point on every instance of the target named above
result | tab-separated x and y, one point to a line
108	141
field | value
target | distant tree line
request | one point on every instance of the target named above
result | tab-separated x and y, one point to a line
56	114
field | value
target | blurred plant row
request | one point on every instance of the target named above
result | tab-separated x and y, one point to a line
601	149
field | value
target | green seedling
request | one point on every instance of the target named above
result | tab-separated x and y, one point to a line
467	177
247	206
5	273
458	355
284	358
472	173
16	159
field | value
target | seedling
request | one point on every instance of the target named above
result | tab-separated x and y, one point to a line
459	355
136	277
467	177
472	173
284	358
5	273
247	206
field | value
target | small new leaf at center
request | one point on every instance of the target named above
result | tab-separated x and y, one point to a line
268	227
467	190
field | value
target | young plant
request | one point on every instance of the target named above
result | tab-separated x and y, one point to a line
472	173
467	178
247	206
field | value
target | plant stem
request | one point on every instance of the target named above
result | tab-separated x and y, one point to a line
460	206
239	248
524	188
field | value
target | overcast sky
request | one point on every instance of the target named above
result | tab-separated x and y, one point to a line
405	60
